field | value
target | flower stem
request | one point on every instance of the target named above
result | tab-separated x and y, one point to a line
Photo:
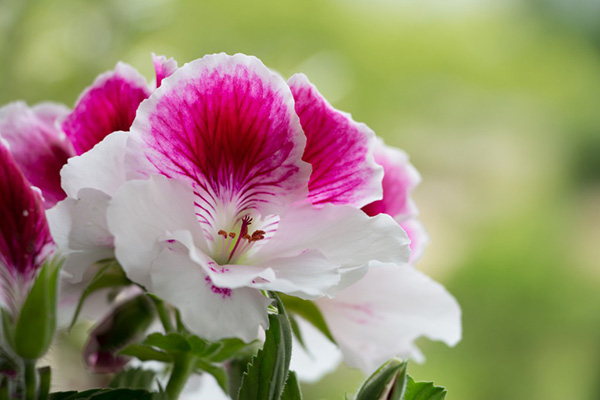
182	369
163	314
30	379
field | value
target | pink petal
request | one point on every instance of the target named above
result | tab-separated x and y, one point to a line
163	67
226	124
399	180
108	105
37	144
418	238
25	239
338	148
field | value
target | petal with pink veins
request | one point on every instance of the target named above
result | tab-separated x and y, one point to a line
163	67
399	180
37	144
382	315
226	124
25	239
108	105
339	149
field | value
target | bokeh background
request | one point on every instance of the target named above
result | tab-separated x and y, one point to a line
497	103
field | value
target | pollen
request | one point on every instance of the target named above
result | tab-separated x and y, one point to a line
234	244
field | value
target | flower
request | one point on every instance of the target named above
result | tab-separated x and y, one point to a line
382	315
210	198
25	240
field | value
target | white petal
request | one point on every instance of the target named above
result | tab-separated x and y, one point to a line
80	229
142	214
343	234
319	358
381	315
210	312
100	168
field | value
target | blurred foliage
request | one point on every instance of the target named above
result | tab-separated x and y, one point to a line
497	104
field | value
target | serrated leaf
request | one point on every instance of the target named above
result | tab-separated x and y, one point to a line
37	319
110	275
387	383
296	330
267	372
171	342
423	391
292	391
133	378
145	353
309	311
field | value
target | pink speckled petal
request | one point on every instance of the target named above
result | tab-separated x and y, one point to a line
226	124
25	239
338	148
382	315
109	105
399	180
163	67
37	144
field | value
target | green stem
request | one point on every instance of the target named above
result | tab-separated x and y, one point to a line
183	367
30	379
163	314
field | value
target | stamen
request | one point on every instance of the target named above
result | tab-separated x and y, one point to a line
246	221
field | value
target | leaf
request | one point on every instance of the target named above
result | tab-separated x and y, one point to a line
423	391
103	394
37	320
227	349
296	330
387	383
145	353
309	311
171	342
291	391
268	370
216	371
133	378
110	275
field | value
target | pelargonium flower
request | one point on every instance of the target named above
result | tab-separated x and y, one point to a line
210	198
25	240
382	315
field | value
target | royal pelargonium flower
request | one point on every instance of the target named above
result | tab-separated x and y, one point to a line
382	315
25	240
231	182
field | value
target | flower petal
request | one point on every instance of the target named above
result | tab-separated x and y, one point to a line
226	124
343	234
109	105
81	231
25	239
382	315
142	213
339	149
399	180
163	67
209	311
419	239
37	144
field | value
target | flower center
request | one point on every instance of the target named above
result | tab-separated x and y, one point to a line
232	245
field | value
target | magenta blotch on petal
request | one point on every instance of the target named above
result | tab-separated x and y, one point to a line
227	125
338	148
37	144
25	239
109	105
163	67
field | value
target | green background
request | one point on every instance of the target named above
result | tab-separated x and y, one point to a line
497	103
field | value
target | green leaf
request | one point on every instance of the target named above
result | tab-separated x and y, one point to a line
309	311
423	391
133	378
145	353
103	394
291	391
387	383
227	349
171	342
216	371
268	370
296	330
110	275
37	320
